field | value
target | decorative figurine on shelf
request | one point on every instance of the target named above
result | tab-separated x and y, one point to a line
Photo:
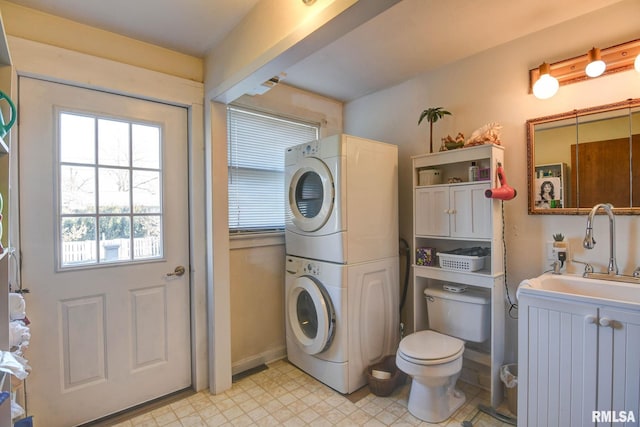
432	115
487	134
450	143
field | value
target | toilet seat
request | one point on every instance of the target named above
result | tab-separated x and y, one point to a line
430	348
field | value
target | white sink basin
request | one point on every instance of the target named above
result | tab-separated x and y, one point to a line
578	286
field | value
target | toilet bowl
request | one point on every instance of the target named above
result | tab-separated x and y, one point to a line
433	358
434	362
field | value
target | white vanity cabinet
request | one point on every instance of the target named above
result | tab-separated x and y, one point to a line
454	215
576	357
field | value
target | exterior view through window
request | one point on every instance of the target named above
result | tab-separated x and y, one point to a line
110	190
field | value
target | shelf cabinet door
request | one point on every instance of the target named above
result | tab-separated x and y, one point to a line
432	211
470	211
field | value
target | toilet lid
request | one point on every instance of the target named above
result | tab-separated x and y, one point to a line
428	347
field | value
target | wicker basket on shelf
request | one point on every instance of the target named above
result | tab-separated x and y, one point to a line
384	387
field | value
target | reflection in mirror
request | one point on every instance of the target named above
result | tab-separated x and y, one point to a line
584	157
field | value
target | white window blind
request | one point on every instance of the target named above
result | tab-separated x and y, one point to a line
256	147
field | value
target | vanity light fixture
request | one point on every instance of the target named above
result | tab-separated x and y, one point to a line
596	65
616	58
546	86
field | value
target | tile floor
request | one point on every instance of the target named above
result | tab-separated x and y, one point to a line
283	395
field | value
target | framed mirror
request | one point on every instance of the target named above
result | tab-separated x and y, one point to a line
580	158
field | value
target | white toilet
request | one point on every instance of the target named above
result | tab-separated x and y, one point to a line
433	359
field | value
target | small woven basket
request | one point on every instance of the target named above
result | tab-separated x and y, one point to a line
384	387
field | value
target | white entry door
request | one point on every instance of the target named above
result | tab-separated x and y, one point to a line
104	220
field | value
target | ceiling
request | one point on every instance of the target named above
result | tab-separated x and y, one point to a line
409	38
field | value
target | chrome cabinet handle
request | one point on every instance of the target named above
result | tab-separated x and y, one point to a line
179	271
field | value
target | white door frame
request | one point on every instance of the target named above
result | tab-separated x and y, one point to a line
59	65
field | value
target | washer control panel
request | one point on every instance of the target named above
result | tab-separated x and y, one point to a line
311	268
302	266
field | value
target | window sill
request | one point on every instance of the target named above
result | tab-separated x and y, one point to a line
256	240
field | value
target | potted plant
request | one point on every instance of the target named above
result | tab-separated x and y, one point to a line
432	115
558	241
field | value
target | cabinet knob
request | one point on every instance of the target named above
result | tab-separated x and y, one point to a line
590	319
605	321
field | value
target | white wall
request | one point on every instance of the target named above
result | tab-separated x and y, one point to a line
493	87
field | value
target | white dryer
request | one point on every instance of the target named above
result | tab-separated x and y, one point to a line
342	200
340	318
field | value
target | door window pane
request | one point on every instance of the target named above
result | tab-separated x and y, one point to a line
105	200
146	146
147	231
113	142
78	240
146	192
77	139
114	190
115	233
77	190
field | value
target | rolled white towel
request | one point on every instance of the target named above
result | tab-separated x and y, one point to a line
19	334
17	307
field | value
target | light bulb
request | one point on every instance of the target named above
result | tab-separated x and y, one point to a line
596	65
546	86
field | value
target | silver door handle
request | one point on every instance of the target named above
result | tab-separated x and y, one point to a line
179	271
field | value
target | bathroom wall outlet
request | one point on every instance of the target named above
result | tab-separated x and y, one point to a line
553	250
560	254
550	255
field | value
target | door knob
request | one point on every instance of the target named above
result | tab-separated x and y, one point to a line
179	271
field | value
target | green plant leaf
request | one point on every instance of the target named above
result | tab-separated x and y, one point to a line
433	114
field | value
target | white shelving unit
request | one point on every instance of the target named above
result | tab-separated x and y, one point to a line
5	85
449	216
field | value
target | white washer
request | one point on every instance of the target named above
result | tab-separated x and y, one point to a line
342	200
340	318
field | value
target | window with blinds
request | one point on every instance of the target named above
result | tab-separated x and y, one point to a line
256	144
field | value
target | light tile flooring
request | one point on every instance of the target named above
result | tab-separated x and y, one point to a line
283	395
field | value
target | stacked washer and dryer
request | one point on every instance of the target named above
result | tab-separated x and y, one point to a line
341	238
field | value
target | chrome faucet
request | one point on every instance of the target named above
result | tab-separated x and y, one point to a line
589	242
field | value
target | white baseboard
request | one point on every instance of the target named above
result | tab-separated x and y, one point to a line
265	358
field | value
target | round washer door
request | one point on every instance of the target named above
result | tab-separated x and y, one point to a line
311	194
311	315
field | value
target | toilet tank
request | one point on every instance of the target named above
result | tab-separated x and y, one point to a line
465	315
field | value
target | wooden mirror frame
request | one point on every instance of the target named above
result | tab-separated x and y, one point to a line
530	124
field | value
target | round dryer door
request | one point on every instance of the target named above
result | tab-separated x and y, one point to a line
311	315
311	194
